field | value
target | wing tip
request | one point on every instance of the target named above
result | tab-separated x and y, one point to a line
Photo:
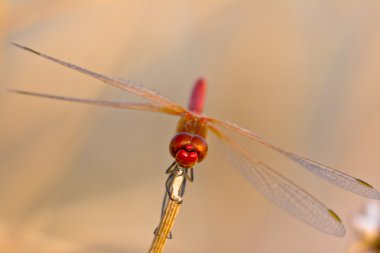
341	233
376	194
364	183
29	93
20	92
15	44
14	91
373	193
25	48
334	215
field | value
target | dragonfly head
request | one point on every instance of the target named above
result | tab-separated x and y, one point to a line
188	149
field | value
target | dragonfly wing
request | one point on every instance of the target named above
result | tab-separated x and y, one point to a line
122	105
338	178
281	191
129	86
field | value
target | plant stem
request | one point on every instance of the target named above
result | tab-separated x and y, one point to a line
165	226
175	189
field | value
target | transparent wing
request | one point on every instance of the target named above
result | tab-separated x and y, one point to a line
122	105
129	86
338	178
281	191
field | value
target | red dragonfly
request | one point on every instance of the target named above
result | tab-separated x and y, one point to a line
189	147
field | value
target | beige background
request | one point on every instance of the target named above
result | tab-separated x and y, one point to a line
79	178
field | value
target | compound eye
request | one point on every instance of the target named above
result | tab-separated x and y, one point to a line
188	149
178	142
200	146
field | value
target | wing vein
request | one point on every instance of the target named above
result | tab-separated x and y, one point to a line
336	177
129	86
280	190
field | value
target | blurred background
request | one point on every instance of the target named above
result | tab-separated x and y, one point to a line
81	178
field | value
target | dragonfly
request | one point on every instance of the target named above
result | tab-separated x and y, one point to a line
189	147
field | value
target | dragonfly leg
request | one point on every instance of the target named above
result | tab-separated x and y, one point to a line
191	176
174	188
170	236
171	168
168	184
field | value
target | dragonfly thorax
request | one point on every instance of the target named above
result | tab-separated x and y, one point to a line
188	149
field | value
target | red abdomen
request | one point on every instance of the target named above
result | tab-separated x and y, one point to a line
197	99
